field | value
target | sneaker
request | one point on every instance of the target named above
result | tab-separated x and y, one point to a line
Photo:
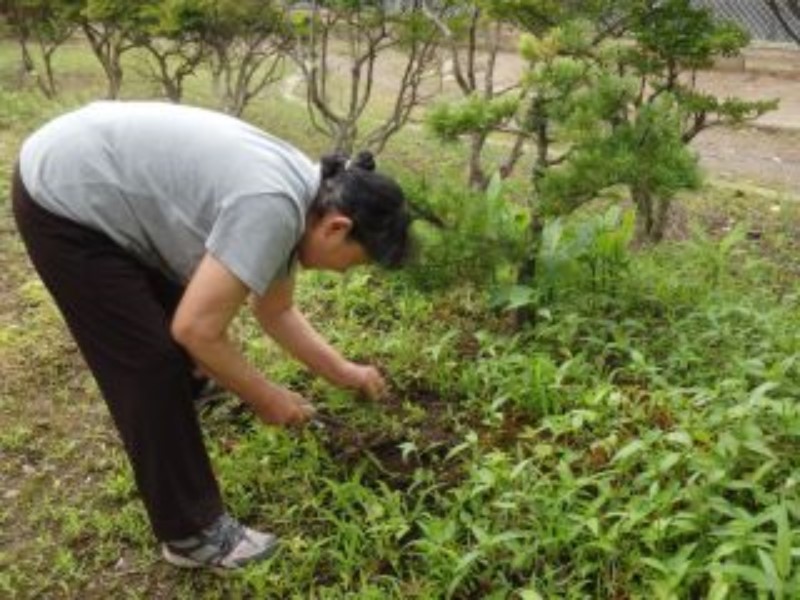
224	545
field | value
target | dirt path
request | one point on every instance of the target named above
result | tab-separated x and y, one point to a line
769	158
767	153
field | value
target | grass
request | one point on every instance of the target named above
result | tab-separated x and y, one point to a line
640	440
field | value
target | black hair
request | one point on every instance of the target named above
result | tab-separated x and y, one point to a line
374	202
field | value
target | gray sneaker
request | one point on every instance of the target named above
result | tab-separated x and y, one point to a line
224	545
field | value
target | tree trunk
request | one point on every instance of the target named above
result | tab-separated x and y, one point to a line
661	220
477	176
516	152
345	140
47	58
114	74
46	83
173	90
643	200
652	215
109	58
217	64
526	276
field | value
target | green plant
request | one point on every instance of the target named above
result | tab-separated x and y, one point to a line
481	238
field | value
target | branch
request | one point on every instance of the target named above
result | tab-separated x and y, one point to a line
473	45
491	60
554	162
517	150
699	123
426	10
458	72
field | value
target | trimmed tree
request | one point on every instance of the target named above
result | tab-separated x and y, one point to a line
171	32
674	42
612	100
110	27
41	28
338	47
472	42
247	42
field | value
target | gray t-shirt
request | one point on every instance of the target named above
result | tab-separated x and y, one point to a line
169	183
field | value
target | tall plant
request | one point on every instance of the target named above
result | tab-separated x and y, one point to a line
674	41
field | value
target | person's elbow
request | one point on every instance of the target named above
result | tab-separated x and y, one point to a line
194	335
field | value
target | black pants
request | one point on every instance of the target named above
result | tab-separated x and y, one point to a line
119	313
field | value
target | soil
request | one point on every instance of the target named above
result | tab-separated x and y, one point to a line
433	437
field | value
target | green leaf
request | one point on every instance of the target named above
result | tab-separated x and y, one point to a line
679	437
719	590
495	190
629	450
783	545
519	296
748	574
669	461
774	582
758	394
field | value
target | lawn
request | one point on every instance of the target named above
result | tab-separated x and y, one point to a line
640	439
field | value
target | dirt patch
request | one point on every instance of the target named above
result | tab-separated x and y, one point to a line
397	453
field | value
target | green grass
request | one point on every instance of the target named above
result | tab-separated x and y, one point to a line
640	440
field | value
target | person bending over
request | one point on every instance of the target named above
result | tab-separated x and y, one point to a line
151	224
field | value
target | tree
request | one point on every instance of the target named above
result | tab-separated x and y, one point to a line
109	27
247	41
355	35
674	41
171	31
41	27
612	100
472	41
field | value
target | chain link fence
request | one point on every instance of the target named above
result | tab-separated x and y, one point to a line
765	23
757	17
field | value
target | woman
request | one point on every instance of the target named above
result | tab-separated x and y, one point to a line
151	224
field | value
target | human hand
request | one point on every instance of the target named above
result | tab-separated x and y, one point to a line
364	378
284	407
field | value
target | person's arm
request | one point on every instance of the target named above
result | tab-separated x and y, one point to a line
212	299
284	323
